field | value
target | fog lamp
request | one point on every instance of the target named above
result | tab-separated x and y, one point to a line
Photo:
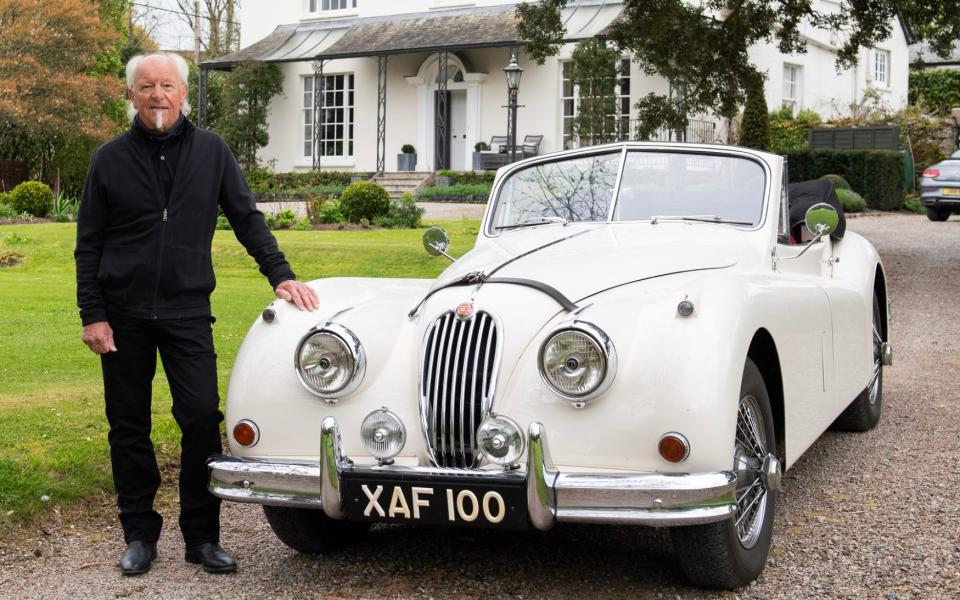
246	433
501	440
674	447
383	435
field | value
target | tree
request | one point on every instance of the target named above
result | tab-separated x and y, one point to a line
219	29
593	72
755	127
58	84
701	47
246	104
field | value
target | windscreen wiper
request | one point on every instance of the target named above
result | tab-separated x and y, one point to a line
698	219
532	223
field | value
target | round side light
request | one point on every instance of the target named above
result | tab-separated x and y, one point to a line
501	440
246	433
674	447
383	434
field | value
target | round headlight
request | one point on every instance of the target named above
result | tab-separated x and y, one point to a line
578	362
500	439
383	434
330	361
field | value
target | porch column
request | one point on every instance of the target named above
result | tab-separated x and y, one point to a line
440	146
202	99
381	114
318	111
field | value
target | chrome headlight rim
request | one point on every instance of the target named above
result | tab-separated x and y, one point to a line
601	340
357	353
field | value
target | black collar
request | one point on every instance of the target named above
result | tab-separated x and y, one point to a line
179	128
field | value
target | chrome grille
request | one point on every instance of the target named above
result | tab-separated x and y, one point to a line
457	370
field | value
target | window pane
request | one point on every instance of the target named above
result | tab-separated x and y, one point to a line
577	189
679	184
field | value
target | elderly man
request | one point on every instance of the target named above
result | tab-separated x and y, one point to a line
144	279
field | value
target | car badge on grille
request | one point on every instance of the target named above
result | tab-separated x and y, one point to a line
464	310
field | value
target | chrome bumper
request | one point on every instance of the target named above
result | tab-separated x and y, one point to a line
615	498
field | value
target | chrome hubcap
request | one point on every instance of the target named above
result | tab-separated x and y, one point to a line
874	391
749	456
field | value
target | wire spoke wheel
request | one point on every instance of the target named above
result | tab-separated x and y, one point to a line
751	450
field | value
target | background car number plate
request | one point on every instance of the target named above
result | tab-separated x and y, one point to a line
455	500
951	191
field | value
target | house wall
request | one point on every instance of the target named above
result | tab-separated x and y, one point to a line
409	106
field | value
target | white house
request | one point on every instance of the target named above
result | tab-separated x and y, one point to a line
379	62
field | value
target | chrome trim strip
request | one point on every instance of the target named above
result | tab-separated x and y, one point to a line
655	499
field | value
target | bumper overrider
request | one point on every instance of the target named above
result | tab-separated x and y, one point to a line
536	492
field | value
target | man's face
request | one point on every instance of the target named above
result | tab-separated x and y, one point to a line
157	93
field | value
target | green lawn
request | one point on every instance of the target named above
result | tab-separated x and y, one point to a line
53	433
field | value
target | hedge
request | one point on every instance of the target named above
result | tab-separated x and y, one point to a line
468	177
266	180
876	174
456	193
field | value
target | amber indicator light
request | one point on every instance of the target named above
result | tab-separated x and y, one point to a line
672	448
244	434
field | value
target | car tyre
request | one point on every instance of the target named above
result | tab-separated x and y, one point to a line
731	553
310	531
938	214
863	414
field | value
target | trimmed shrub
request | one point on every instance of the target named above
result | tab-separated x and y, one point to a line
755	126
839	183
408	149
364	200
852	202
456	193
32	197
404	214
877	174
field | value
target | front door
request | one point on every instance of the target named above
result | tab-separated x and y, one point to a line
458	130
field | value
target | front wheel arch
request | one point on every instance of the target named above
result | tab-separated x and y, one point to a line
763	353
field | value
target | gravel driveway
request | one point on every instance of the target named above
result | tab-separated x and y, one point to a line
872	515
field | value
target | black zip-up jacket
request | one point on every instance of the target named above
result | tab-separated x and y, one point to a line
143	254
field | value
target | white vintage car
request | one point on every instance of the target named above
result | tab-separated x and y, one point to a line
648	309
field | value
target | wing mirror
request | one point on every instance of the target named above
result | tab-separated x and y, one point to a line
821	219
436	242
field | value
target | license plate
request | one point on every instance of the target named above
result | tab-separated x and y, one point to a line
951	191
444	500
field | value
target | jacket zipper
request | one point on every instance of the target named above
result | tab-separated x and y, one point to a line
156	289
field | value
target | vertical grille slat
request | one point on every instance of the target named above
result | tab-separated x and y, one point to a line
457	372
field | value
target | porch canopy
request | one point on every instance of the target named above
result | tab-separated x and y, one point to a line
436	31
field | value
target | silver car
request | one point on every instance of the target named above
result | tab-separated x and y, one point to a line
940	188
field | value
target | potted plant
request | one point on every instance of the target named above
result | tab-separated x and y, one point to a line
477	149
407	159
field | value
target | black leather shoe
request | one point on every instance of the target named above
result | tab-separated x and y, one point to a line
137	557
212	557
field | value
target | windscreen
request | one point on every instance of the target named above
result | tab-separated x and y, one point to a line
654	184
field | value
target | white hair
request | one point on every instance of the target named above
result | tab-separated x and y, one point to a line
183	70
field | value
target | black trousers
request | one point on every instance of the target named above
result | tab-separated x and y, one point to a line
189	360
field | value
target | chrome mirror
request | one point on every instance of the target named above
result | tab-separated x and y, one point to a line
821	219
436	242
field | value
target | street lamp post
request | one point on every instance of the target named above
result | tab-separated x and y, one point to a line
513	71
